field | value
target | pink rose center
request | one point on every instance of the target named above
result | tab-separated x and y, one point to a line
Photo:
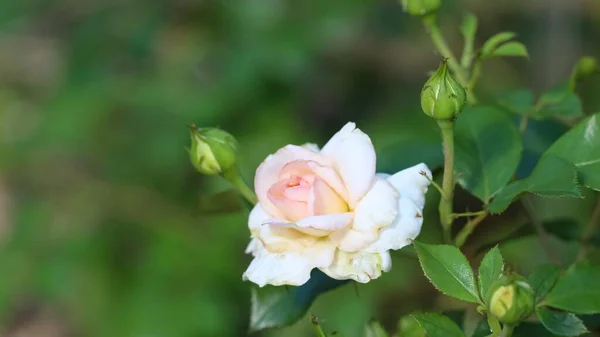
300	192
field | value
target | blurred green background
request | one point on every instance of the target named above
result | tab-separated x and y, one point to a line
106	229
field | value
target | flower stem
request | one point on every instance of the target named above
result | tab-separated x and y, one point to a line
589	232
445	208
234	177
315	323
507	331
464	233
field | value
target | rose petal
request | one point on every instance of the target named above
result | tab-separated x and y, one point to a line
319	225
267	173
361	266
324	200
291	268
289	208
351	240
405	228
354	158
329	175
378	208
258	216
412	184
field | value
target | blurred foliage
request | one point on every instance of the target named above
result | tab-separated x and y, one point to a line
106	229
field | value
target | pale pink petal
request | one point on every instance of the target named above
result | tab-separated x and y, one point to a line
360	266
325	200
297	168
329	175
267	173
288	208
258	216
319	225
354	159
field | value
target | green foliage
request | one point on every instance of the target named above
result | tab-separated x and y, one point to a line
374	329
490	270
488	151
577	290
409	327
437	325
561	323
551	177
510	49
468	29
575	155
495	41
280	306
448	270
542	279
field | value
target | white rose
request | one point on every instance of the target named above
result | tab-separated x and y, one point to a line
328	209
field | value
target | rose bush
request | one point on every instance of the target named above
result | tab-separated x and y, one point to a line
328	209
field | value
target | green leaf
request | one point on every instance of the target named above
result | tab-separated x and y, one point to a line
374	329
490	270
448	270
409	327
551	177
493	42
577	290
468	28
569	106
581	147
561	323
542	279
437	325
488	150
519	102
510	49
280	306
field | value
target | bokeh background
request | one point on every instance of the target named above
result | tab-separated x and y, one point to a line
105	227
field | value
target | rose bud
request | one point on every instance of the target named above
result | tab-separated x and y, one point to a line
511	299
442	97
213	150
420	7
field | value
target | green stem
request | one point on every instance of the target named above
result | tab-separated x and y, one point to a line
315	323
431	24
234	177
464	233
459	215
473	81
445	208
508	330
589	231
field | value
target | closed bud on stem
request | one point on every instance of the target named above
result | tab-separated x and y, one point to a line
511	299
213	150
420	7
442	97
586	66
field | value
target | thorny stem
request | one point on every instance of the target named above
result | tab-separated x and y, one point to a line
588	233
234	177
445	208
459	215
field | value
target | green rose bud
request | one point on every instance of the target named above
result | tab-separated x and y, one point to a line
420	7
213	150
586	66
511	299
442	97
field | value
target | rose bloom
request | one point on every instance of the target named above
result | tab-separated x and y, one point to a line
328	209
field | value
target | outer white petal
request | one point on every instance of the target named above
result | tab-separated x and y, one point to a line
411	186
292	268
360	266
320	225
411	183
378	208
354	158
258	216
